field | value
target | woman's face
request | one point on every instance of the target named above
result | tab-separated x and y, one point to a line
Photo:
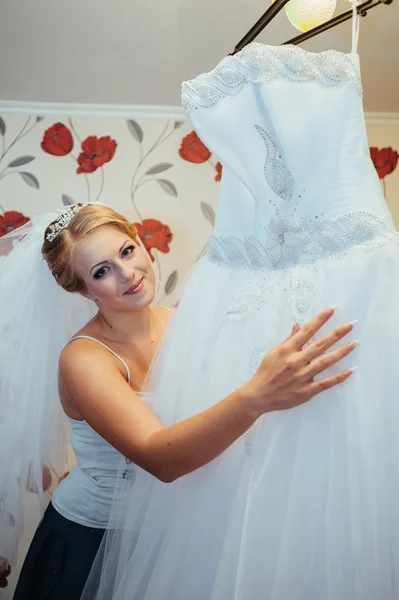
117	273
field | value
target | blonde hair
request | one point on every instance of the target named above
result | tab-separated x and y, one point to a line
59	254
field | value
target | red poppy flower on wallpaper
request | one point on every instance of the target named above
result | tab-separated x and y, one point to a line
193	150
57	140
219	170
95	153
384	160
154	234
9	221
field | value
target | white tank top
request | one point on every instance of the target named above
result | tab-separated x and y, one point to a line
86	495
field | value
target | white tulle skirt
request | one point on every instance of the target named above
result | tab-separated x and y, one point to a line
303	507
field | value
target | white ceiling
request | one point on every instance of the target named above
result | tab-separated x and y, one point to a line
139	51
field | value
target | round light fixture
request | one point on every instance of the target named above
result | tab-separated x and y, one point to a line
306	14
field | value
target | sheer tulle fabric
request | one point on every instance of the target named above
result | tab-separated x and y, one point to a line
37	318
304	506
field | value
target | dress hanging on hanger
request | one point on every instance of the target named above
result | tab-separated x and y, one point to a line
304	506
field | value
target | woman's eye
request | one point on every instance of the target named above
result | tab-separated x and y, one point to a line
100	273
127	251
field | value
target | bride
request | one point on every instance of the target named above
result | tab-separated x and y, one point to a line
304	505
77	290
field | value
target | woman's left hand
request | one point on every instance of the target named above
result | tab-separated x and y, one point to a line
5	570
31	486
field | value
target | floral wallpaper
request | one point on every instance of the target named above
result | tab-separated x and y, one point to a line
385	161
143	169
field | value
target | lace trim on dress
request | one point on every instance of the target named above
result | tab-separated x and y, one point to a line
259	63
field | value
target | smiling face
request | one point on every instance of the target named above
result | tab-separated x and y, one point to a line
115	270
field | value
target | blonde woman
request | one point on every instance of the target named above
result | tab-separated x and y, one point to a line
82	333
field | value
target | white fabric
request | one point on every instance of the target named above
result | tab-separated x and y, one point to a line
37	318
85	496
303	507
355	24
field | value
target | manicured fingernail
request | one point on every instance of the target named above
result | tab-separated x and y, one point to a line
355	343
334	307
353	369
353	323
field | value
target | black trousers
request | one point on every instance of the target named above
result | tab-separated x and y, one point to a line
59	559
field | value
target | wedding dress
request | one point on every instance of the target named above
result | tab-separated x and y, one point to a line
305	505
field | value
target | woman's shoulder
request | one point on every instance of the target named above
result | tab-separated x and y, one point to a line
84	344
81	349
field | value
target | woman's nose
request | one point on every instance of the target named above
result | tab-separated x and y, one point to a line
126	274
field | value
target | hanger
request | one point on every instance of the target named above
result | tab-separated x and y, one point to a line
275	8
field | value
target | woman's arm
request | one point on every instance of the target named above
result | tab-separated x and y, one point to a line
108	404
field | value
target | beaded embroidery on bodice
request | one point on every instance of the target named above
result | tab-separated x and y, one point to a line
298	183
258	63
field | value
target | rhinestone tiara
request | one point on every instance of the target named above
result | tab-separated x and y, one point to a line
63	221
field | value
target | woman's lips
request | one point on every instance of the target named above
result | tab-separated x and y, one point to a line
135	289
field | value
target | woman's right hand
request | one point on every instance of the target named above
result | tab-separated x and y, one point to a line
285	378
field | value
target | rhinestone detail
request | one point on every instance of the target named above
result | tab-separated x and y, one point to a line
259	63
63	221
291	241
129	474
302	300
277	174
